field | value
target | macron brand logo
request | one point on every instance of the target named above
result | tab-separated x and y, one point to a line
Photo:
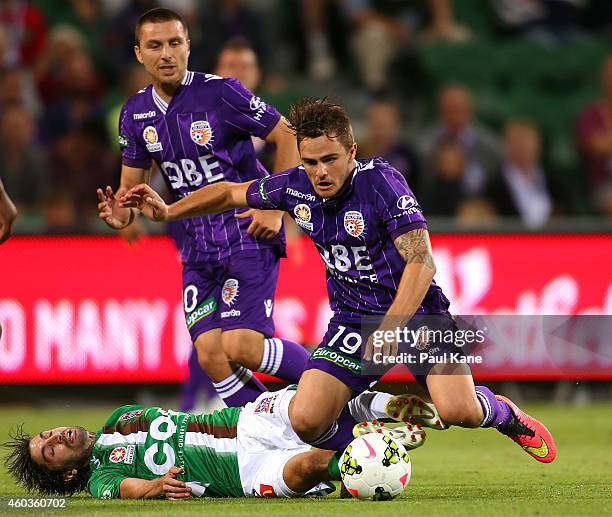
142	116
300	195
268	307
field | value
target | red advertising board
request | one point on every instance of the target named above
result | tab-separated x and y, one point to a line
94	309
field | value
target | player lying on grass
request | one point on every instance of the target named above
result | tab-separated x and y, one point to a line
373	238
152	452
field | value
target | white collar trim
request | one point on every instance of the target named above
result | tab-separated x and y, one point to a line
161	103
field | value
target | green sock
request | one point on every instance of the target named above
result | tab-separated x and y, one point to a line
333	468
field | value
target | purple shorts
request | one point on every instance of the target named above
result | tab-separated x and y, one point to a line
233	293
340	355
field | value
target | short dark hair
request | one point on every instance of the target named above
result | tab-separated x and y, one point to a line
34	477
158	15
237	43
311	118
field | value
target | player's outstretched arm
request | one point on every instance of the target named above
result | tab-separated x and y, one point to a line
167	486
307	469
212	199
267	223
8	214
415	248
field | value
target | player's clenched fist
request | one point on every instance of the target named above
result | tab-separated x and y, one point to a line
147	201
174	488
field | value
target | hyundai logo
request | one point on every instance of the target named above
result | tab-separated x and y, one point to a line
405	202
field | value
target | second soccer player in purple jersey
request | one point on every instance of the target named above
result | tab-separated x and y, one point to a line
373	238
198	129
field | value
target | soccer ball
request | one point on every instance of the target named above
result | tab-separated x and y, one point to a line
375	467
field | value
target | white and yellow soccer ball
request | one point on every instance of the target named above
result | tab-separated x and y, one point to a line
375	467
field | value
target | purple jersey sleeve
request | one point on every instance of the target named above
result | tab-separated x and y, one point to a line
397	205
268	192
133	153
245	112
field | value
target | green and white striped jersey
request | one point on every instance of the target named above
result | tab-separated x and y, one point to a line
140	442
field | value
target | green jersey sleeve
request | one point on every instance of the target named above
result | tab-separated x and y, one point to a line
105	483
113	462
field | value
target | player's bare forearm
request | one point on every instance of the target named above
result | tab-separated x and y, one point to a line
415	248
307	469
134	488
8	214
212	199
287	155
130	177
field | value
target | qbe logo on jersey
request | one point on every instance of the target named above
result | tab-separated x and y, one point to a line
354	223
302	216
149	134
201	132
229	293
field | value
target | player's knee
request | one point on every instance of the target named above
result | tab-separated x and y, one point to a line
308	425
241	348
209	356
235	350
463	414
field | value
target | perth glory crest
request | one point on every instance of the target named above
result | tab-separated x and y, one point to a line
354	223
201	132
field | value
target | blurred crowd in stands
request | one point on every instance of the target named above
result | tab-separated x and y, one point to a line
488	107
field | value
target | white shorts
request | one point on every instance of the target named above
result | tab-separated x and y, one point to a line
266	442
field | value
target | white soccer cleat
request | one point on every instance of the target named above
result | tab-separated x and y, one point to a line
321	490
410	409
410	436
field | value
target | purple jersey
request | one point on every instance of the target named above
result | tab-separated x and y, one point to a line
354	234
203	136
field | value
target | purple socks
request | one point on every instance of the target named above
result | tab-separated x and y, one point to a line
339	434
283	359
496	413
239	388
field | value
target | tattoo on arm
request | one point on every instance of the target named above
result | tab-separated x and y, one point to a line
414	247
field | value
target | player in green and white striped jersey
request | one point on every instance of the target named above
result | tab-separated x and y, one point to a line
149	452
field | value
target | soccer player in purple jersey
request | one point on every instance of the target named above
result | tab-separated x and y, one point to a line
198	128
237	60
8	214
373	238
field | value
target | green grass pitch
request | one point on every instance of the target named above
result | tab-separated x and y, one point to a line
457	472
